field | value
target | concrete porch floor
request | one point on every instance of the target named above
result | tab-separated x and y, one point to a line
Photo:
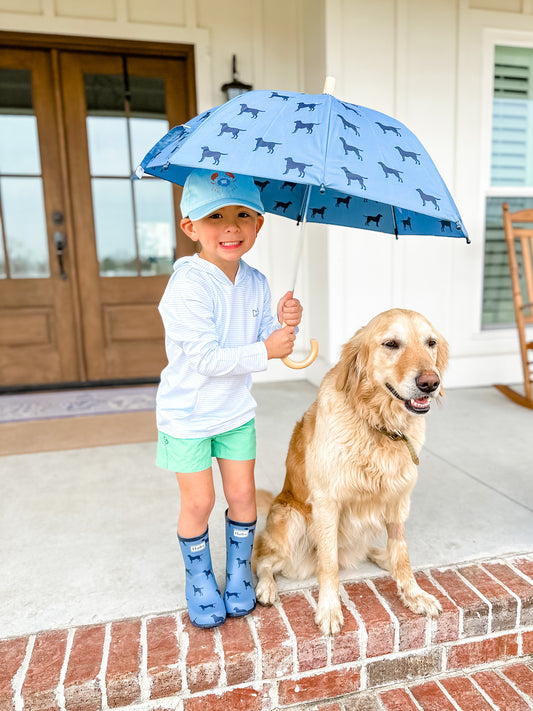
89	535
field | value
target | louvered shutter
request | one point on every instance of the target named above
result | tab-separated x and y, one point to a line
511	167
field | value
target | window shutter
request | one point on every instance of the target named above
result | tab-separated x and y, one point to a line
511	167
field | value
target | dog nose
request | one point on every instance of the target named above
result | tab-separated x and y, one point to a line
428	381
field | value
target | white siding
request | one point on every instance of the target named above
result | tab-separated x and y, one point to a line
429	64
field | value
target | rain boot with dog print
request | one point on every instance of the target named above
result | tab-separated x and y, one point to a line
204	601
239	595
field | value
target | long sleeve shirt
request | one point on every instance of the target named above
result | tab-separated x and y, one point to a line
214	333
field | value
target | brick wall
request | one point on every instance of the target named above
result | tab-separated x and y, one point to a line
385	657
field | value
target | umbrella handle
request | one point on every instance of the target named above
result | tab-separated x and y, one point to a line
298	364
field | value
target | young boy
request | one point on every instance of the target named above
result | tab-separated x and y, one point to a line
218	330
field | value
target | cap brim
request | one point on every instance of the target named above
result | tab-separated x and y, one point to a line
205	210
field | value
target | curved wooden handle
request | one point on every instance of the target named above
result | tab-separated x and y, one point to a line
297	364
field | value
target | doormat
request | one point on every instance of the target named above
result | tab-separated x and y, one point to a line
76	403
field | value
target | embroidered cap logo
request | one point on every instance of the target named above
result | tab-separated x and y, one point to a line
223	180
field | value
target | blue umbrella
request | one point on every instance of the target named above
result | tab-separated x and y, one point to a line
315	158
351	165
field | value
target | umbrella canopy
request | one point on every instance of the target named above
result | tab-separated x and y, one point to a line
316	157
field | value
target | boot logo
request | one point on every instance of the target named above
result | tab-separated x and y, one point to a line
198	547
238	533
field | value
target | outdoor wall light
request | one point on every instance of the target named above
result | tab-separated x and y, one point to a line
235	87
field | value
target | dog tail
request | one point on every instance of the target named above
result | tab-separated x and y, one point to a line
263	500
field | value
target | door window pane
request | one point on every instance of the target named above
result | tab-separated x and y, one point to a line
19	145
108	145
113	222
23	248
3	270
134	224
145	132
155	225
25	229
511	167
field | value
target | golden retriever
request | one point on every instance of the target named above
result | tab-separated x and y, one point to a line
352	464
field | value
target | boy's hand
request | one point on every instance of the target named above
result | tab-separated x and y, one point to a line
289	310
280	343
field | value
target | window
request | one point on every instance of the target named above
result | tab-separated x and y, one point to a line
511	177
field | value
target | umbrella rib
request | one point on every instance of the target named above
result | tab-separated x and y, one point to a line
394	222
303	218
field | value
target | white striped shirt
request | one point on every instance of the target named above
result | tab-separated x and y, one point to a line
214	333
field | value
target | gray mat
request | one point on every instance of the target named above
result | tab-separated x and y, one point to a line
75	403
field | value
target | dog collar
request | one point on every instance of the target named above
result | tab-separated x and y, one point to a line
400	435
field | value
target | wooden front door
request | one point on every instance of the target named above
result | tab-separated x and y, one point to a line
85	251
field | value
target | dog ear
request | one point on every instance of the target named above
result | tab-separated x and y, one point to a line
442	357
442	353
349	365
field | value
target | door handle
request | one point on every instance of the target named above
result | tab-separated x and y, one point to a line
60	242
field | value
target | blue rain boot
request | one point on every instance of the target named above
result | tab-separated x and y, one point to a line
204	601
239	595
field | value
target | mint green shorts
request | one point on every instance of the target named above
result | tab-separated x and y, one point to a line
194	455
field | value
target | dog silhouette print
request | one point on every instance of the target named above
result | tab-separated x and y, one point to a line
276	95
270	145
428	198
282	205
350	149
408	154
302	105
353	176
249	110
385	129
391	171
347	124
293	165
300	125
208	153
224	128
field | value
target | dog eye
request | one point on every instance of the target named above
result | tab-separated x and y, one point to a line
432	343
391	344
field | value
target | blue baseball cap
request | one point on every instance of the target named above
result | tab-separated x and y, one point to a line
205	191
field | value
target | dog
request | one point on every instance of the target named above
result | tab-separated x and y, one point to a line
245	109
308	127
348	148
428	198
291	164
269	145
354	176
347	124
392	129
352	464
408	154
343	201
282	205
391	171
224	128
373	218
318	211
208	153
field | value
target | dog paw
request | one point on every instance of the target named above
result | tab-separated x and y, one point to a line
380	557
329	619
266	591
422	603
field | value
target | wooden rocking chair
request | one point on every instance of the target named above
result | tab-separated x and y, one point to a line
522	283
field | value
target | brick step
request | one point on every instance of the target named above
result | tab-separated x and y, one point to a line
481	645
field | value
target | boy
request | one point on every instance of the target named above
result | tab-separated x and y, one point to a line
218	330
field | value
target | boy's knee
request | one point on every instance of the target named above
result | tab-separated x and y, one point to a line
243	495
198	507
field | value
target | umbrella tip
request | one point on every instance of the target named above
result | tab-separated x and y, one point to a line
329	85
